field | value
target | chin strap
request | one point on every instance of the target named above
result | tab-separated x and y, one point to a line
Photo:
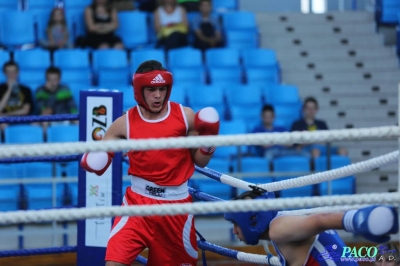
203	252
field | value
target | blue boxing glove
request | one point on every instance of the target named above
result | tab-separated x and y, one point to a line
374	223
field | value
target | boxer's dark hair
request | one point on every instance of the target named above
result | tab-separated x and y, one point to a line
149	65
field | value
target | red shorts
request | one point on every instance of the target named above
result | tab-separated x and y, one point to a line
171	239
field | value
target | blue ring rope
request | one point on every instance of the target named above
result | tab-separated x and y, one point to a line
38	118
38	251
66	158
209	173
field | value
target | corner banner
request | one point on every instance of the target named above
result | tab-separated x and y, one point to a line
98	109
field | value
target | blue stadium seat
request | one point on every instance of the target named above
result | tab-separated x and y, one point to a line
18	134
81	77
41	19
133	37
204	96
33	59
45	5
75	22
4	57
178	94
39	195
258	76
77	4
9	5
284	94
239	20
288	113
225	5
233	127
192	76
225	76
214	187
139	56
185	58
293	164
17	28
32	78
241	39
125	183
244	95
222	57
259	58
248	113
71	59
340	186
112	78
109	59
63	133
67	192
9	194
255	165
127	98
386	11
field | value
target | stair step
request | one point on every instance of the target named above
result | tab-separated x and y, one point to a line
366	87
360	123
354	103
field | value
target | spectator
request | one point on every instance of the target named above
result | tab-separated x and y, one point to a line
310	123
267	126
388	255
53	98
190	5
147	5
57	31
101	22
15	99
171	25
206	27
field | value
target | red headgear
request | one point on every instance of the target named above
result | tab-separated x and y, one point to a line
153	78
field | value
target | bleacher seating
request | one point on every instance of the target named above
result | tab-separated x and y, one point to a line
45	5
33	59
207	95
386	12
225	5
17	29
139	56
9	5
345	185
9	194
293	164
75	59
4	57
63	133
75	77
185	58
131	36
231	128
18	134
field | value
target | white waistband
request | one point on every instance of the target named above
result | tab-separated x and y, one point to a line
154	191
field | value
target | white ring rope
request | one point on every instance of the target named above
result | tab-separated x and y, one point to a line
9	151
317	178
196	208
325	209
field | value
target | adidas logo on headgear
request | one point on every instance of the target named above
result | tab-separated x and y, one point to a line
158	79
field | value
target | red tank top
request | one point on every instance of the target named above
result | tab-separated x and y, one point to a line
168	167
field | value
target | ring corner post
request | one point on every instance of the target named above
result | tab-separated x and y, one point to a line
98	109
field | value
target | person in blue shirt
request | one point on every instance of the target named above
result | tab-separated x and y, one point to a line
311	239
267	126
309	122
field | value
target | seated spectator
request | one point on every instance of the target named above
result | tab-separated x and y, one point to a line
267	126
206	27
171	25
388	255
189	5
310	123
53	98
101	22
147	5
57	31
15	99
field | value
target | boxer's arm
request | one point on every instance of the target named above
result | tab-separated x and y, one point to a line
289	229
117	130
198	157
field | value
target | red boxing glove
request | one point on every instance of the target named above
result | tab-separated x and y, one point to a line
206	122
97	162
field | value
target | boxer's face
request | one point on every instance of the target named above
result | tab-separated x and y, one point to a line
238	232
154	97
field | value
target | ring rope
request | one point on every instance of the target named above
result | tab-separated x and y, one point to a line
38	251
16	217
305	137
316	178
64	158
38	118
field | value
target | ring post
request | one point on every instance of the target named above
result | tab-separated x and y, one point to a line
98	109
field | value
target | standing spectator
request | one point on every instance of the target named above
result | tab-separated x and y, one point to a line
57	30
53	98
15	99
190	5
310	123
101	22
206	27
171	25
267	126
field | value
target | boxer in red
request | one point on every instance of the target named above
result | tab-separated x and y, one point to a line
158	176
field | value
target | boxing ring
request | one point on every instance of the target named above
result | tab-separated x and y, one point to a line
97	111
